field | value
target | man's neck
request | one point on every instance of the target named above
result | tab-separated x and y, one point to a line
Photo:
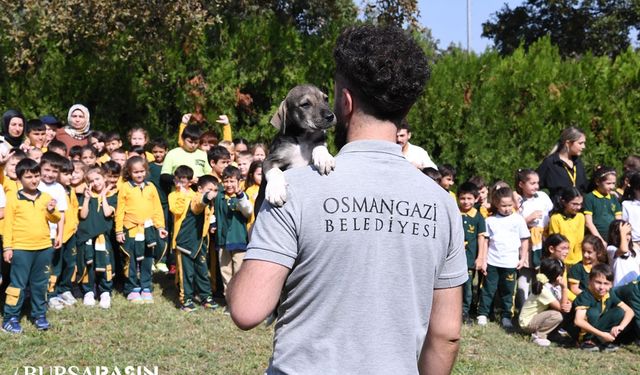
365	127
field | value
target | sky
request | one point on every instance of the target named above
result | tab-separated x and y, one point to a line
447	20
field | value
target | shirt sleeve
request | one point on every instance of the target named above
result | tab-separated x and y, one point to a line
454	269
482	226
588	204
61	199
546	296
3	199
522	228
618	208
274	236
167	165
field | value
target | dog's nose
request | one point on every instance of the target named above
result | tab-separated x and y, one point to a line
329	117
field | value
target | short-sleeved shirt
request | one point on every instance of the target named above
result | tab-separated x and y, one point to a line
196	160
365	256
535	304
505	234
631	214
571	227
595	306
603	210
579	274
626	268
57	192
474	226
539	202
419	157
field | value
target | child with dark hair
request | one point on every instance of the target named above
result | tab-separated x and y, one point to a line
448	173
252	188
593	253
89	156
556	247
541	312
187	154
600	207
64	260
27	246
433	174
600	316
36	133
232	210
624	260
113	141
482	204
508	251
475	235
566	219
219	158
192	211
58	147
159	151
75	152
50	166
97	140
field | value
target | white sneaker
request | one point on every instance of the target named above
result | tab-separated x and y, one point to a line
540	341
55	303
105	300
88	299
482	320
162	268
68	298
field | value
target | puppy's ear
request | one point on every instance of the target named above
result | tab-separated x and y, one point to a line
279	119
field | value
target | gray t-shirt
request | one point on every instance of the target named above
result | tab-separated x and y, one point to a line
366	246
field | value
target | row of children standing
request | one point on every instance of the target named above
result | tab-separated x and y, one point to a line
558	262
91	214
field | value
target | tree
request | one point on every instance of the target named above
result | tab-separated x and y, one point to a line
601	27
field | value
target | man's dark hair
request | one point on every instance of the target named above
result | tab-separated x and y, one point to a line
192	132
217	153
384	68
404	124
183	171
27	165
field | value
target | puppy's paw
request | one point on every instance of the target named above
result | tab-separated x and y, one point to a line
276	191
322	159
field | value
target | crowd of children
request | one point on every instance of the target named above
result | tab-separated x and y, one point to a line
565	271
81	222
86	220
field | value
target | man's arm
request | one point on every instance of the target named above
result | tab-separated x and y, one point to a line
441	345
254	291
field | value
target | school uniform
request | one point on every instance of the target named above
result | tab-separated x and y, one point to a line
603	209
191	212
630	294
572	227
505	234
30	240
602	313
231	235
474	226
579	274
94	245
139	216
64	260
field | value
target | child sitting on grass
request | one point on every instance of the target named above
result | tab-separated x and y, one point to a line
600	316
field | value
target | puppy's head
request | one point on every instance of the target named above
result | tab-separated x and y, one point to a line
305	108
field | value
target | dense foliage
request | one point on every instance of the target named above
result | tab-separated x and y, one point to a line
146	63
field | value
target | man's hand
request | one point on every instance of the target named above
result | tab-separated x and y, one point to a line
7	255
223	120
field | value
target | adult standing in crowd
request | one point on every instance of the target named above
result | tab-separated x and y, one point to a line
13	124
78	128
356	299
563	168
415	154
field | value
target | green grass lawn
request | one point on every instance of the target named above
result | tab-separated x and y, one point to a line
207	342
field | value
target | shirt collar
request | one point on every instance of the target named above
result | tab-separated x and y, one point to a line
599	195
471	213
21	195
372	146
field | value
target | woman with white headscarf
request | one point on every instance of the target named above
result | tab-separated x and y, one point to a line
78	128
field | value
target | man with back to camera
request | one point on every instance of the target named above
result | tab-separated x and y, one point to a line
417	155
366	262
